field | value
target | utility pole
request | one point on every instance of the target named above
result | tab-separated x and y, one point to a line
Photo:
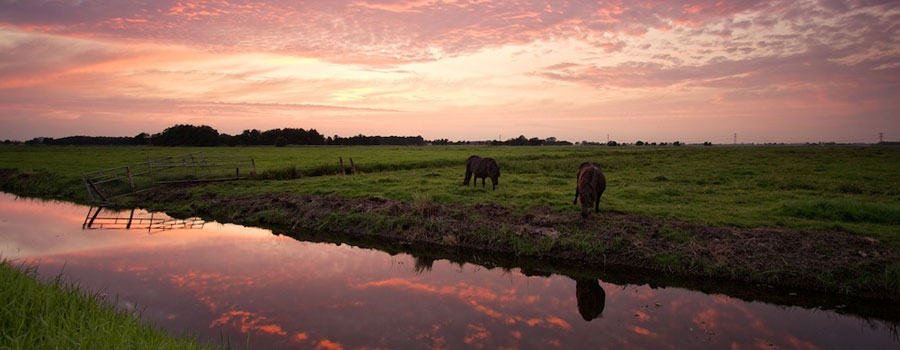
607	138
735	138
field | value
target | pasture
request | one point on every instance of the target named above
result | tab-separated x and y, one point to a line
836	188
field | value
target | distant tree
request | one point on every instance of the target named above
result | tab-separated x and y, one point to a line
281	141
612	143
228	140
186	135
141	139
639	143
250	137
519	141
676	143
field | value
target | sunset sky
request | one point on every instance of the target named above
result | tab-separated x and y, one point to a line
653	70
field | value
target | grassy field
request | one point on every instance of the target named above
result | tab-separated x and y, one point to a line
852	189
57	315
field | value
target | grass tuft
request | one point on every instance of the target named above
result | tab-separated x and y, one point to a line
59	315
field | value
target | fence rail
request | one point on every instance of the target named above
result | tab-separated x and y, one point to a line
105	185
101	218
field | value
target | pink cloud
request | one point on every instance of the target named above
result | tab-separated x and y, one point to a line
76	67
370	31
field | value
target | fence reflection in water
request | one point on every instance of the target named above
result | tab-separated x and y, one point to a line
99	217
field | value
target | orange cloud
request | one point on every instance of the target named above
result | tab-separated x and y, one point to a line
475	335
299	337
642	331
247	321
329	345
801	344
707	319
641	316
558	322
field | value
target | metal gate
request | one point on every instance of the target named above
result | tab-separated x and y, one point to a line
103	186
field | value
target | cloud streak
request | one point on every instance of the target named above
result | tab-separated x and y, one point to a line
415	63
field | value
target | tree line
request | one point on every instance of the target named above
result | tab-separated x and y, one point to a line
206	136
518	141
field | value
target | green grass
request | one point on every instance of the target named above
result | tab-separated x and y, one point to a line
58	315
852	189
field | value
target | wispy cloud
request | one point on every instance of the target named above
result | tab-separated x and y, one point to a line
495	62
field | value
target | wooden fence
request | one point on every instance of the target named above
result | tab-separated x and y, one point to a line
105	185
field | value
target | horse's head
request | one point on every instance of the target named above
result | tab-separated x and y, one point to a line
586	194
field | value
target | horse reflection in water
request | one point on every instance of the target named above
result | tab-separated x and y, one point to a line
591	298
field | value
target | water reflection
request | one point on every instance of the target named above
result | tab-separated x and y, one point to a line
99	217
591	298
282	293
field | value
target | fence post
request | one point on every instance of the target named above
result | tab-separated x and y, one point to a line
130	178
94	187
353	166
91	193
341	160
150	166
130	219
205	161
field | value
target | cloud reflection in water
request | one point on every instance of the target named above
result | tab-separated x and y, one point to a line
239	282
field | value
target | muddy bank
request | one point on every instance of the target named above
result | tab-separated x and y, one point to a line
832	262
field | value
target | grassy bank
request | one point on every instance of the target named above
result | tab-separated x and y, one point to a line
58	315
849	189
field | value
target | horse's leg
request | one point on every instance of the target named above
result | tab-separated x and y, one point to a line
468	176
597	203
576	195
482	181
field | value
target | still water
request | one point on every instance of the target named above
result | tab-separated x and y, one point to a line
228	283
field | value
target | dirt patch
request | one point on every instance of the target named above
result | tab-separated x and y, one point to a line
827	261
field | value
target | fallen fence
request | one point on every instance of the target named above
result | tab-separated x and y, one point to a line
105	185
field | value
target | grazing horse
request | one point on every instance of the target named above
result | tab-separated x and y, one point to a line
482	168
591	184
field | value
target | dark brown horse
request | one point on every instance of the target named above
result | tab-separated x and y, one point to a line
591	184
482	168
